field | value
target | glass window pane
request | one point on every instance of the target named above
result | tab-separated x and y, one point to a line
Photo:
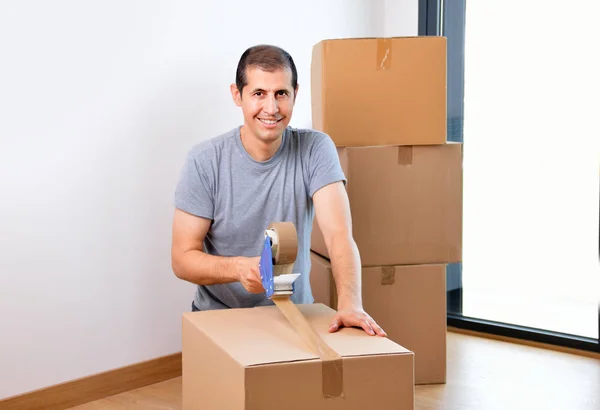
531	164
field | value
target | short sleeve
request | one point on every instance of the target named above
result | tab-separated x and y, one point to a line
193	193
324	164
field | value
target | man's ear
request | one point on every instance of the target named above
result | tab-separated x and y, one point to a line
235	94
296	92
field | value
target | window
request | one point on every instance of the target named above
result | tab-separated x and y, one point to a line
522	97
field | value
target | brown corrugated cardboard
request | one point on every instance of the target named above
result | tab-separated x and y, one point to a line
252	359
406	204
321	280
380	91
409	303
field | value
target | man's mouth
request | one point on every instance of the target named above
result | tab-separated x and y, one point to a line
269	121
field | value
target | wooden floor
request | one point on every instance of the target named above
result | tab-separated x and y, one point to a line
483	374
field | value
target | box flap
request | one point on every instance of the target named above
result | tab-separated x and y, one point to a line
262	335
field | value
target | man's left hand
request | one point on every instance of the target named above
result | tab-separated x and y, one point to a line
356	317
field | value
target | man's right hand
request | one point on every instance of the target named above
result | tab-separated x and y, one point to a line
190	263
249	274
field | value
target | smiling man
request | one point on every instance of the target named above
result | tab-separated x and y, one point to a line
233	185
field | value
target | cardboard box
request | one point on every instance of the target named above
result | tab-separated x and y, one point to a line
252	359
380	91
321	281
409	303
406	204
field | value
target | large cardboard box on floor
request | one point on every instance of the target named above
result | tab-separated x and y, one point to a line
406	204
409	303
380	91
253	359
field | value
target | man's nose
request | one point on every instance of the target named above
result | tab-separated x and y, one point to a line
271	107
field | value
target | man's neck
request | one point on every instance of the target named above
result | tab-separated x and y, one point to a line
258	150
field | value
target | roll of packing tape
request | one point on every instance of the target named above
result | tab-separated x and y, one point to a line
285	243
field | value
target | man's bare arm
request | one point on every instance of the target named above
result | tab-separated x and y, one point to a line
191	264
332	212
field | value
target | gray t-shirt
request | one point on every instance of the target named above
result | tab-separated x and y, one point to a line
222	182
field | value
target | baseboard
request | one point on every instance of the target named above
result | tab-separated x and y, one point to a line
73	393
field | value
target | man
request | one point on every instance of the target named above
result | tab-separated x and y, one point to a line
233	185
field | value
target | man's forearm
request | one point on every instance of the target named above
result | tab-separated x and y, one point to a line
346	269
204	269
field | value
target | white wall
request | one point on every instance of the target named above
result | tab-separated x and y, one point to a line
401	18
99	101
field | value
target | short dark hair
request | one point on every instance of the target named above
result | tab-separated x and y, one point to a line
268	58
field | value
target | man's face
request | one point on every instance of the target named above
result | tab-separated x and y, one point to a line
267	102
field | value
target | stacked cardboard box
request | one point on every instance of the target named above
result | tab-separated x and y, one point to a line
383	102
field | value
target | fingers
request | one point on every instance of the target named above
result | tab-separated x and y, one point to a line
252	284
366	325
335	324
372	328
366	322
251	279
255	286
378	330
256	282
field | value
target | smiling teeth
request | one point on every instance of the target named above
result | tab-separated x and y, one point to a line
269	122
